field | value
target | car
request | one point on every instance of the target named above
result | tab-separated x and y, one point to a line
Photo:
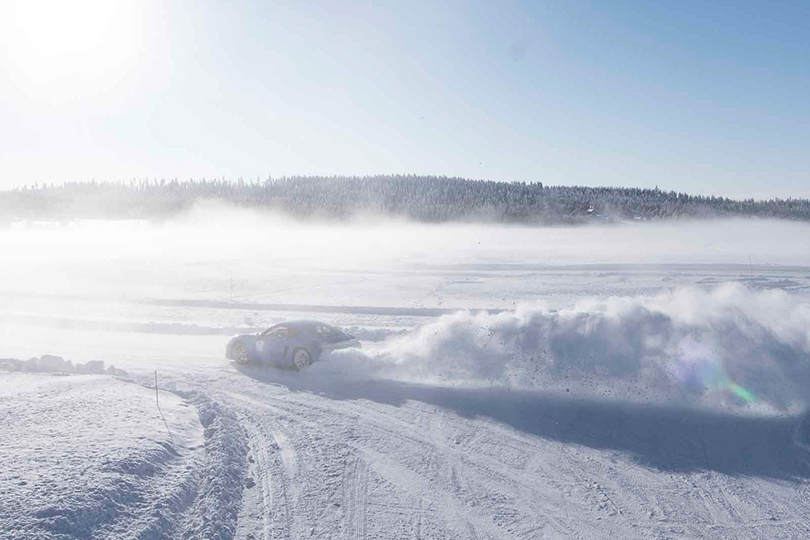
291	344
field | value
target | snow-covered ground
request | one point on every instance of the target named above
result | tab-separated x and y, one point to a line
88	453
626	382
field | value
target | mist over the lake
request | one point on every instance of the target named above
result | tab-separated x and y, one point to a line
213	249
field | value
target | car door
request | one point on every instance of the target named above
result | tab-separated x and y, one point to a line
272	346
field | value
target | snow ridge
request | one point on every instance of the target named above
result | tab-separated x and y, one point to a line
146	489
215	510
108	470
56	364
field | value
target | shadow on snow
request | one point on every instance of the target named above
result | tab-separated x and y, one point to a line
664	437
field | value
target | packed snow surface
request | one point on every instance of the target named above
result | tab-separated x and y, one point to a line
622	382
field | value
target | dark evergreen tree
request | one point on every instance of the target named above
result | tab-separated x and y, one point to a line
422	198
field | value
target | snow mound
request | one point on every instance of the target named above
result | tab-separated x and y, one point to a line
90	456
729	346
56	364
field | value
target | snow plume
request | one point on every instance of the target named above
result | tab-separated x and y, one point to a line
728	346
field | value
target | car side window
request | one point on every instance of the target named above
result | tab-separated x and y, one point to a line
327	331
280	332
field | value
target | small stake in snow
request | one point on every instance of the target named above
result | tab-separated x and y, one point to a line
161	412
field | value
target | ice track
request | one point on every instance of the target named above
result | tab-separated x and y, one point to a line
317	455
332	464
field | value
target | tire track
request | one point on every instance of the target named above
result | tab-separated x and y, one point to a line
355	492
275	501
366	469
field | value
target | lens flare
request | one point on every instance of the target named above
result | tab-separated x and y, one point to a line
698	368
739	391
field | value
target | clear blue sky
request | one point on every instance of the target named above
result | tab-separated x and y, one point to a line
708	97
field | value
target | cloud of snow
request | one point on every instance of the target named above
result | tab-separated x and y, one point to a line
728	346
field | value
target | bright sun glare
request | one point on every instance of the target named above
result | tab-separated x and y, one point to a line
56	50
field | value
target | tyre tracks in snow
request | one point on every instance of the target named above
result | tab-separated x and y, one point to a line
273	505
393	473
357	468
312	485
355	494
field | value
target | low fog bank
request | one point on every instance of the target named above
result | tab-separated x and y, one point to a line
731	347
231	236
216	254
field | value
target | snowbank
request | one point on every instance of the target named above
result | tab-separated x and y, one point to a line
729	346
90	456
56	364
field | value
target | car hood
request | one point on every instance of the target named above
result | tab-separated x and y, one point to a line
245	337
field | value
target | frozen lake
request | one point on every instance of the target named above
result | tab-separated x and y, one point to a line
630	381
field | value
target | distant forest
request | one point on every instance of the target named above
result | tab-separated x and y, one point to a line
421	198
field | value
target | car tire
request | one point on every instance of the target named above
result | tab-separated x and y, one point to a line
301	358
240	353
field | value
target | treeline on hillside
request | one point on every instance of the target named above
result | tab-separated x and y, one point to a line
422	198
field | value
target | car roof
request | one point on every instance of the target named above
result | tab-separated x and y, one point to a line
302	324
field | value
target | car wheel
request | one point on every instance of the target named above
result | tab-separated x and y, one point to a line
301	358
240	353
